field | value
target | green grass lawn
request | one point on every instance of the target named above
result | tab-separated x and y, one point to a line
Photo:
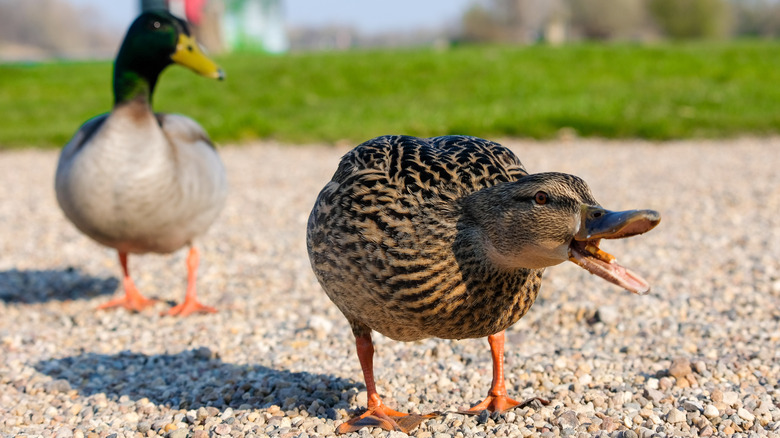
615	91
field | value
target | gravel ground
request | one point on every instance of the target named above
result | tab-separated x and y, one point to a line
697	356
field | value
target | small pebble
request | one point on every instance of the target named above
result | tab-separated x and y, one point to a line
745	415
568	419
692	406
675	416
178	433
680	368
711	411
609	424
652	383
608	314
222	429
730	398
655	395
143	427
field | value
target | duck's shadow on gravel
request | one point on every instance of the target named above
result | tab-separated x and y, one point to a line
192	379
27	287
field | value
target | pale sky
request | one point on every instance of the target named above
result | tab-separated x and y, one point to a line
368	16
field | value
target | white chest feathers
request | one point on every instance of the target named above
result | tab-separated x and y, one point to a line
139	182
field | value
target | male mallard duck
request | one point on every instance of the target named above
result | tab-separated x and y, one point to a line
448	237
140	181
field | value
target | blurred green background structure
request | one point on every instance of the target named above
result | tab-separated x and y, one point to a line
655	69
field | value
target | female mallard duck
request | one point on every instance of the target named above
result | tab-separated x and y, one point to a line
143	182
448	237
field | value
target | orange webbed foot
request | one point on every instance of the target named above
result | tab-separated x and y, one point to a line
500	403
132	299
189	307
132	303
386	418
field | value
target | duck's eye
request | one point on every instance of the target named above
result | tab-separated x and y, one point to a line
156	24
541	198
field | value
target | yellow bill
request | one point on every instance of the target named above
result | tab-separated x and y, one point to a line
188	54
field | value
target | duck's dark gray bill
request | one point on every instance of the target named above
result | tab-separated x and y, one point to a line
598	223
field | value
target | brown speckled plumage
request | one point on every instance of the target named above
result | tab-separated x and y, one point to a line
388	239
448	237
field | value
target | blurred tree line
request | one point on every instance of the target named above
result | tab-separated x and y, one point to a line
33	29
555	21
40	29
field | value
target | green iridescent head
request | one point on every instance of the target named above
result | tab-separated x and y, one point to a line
155	40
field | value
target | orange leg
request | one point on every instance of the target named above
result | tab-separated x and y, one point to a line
191	303
377	414
132	300
497	399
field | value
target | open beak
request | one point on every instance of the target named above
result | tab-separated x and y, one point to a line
596	224
189	54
